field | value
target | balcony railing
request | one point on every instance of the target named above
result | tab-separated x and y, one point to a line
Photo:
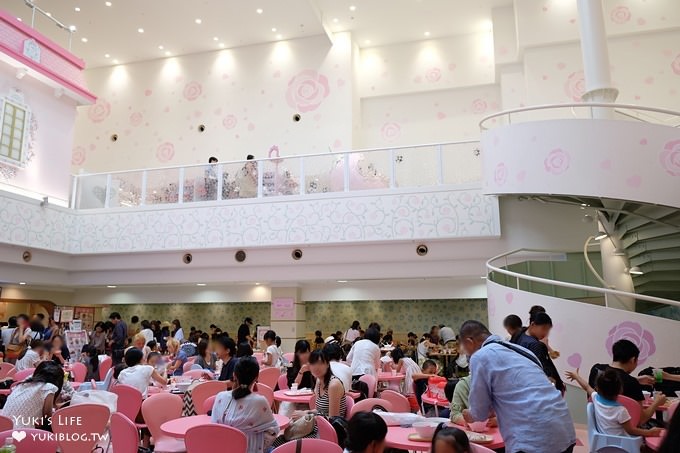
430	165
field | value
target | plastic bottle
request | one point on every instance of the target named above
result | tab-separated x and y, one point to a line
9	446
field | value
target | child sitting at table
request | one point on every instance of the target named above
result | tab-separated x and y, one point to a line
611	416
136	374
428	370
271	355
406	365
449	440
90	358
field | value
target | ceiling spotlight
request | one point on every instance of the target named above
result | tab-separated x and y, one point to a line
111	286
107	55
83	39
108	3
342	281
368	41
259	10
77	9
279	36
215	38
140	30
635	270
22	283
115	61
274	29
198	21
20	19
257	283
352	8
161	47
336	20
221	45
427	33
601	235
168	53
200	284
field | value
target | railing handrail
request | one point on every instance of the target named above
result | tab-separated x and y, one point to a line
547	281
572	105
279	158
58	23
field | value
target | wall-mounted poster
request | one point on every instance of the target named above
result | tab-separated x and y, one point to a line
86	316
261	330
283	308
57	314
75	341
66	314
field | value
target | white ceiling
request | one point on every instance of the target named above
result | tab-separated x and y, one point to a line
113	30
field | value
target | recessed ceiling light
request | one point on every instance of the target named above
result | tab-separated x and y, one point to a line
215	38
168	53
368	41
107	3
259	10
111	286
342	281
107	55
198	21
22	283
161	47
221	45
83	39
200	284
257	283
279	37
77	9
352	8
427	33
336	20
115	61
140	30
274	29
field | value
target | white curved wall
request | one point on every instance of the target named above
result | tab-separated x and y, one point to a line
598	158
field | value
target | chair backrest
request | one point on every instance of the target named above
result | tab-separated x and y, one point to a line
267	392
201	439
259	356
92	419
208	404
104	367
283	382
474	448
36	441
326	430
399	402
6	370
79	371
633	407
187	366
158	409
108	379
192	359
369	404
23	374
269	376
309	446
196	374
371	383
129	400
196	366
289	356
387	366
205	390
6	423
604	443
124	434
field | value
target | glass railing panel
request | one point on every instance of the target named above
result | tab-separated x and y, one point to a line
281	177
416	167
126	189
200	183
162	186
324	174
461	163
91	192
367	171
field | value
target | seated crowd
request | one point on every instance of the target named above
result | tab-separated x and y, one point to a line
508	384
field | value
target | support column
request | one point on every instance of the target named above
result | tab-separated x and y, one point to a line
288	317
595	54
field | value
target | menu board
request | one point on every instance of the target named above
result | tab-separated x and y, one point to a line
75	341
86	317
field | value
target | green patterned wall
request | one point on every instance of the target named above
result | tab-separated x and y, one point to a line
401	316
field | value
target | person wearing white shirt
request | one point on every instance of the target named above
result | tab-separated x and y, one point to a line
364	357
271	355
177	332
342	371
32	357
7	330
137	375
353	332
147	332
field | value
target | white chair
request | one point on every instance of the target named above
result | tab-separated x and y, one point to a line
605	443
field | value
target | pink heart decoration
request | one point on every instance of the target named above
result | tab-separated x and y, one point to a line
606	164
643	141
441	115
634	181
575	360
509	297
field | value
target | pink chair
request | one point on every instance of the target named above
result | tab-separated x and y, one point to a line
129	400
259	357
187	366
369	404
309	446
283	382
289	356
387	367
349	403
6	423
23	374
633	407
93	419
371	383
269	377
267	392
326	430
104	367
201	439
79	371
41	444
208	404
399	402
205	390
7	370
474	448
124	434
197	374
158	409
192	359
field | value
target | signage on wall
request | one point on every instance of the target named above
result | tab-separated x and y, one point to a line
261	330
57	314
32	50
66	314
76	325
283	308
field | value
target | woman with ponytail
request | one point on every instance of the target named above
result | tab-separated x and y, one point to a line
246	411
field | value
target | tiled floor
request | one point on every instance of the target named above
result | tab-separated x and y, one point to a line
582	435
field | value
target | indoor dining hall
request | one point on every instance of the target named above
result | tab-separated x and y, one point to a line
339	226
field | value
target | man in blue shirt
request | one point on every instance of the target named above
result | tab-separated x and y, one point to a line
508	380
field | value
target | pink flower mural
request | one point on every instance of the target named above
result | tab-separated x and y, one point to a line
165	152
670	158
633	331
78	156
229	122
620	15
433	75
136	119
675	65
307	90
478	106
99	111
390	131
575	86
557	161
192	91
500	174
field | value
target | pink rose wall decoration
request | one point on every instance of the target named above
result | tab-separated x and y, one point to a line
229	122
479	106
670	158
557	161
633	331
433	75
136	119
675	65
390	131
500	175
307	90
99	111
192	91
575	86
620	15
165	152
78	156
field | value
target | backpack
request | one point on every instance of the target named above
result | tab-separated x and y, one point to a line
341	429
